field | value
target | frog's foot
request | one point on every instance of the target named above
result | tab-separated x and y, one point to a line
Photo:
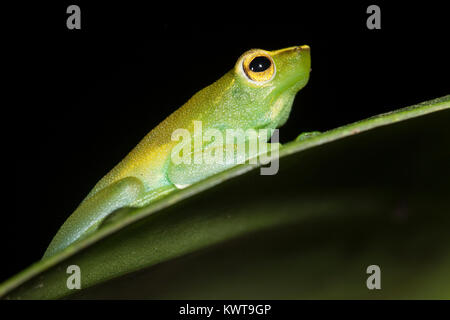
116	215
307	135
144	200
152	196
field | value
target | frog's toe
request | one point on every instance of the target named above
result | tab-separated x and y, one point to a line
307	135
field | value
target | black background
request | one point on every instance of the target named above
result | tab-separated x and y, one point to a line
95	92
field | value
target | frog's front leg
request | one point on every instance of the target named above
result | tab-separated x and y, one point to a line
94	209
215	159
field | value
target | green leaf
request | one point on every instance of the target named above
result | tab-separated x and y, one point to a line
372	192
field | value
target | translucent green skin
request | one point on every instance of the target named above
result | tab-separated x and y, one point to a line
146	173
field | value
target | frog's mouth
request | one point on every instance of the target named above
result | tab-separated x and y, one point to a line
295	64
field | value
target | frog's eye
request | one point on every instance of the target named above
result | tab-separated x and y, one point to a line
259	67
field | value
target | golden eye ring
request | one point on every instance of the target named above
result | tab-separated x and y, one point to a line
259	67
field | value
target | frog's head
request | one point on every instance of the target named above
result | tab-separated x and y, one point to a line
271	79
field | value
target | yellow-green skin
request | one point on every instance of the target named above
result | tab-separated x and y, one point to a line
232	102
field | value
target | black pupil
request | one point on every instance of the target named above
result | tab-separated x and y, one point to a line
260	64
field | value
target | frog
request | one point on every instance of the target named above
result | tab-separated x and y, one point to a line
256	94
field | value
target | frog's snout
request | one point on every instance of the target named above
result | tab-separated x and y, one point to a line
300	48
290	50
304	47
